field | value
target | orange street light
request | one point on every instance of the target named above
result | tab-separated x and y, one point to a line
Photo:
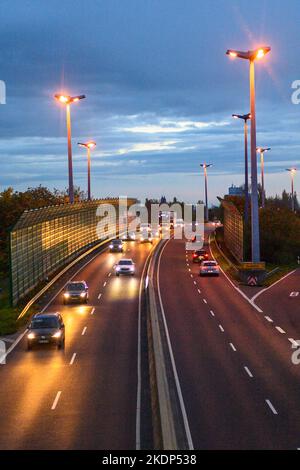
292	172
88	145
68	100
252	56
261	151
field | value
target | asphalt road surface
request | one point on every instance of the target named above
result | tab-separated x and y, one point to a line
240	387
84	397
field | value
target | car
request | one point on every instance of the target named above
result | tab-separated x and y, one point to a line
116	246
46	328
200	255
197	239
76	291
146	237
125	266
209	268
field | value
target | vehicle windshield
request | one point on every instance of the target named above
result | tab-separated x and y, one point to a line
201	252
75	286
116	242
125	262
45	322
210	263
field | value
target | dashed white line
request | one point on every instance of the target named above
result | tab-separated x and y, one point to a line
73	359
205	301
190	269
212	313
56	400
104	284
248	371
280	330
271	407
232	347
199	291
93	311
84	330
192	275
99	296
221	328
195	283
269	319
294	342
109	274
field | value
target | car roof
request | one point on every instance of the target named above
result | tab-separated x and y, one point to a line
76	282
126	259
46	315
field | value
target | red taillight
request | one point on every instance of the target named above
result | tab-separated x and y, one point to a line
195	256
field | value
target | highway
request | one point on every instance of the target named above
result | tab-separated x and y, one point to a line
86	396
239	385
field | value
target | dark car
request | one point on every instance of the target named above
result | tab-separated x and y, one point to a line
76	291
116	246
46	328
199	256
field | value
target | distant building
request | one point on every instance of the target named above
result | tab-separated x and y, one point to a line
235	191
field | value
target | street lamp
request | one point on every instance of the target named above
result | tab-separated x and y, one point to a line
67	101
205	166
88	145
245	118
292	172
261	151
251	56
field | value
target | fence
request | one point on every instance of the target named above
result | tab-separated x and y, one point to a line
233	230
43	240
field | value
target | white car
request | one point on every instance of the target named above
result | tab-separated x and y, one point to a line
209	268
125	266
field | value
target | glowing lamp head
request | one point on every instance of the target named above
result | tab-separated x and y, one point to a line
260	54
232	54
62	98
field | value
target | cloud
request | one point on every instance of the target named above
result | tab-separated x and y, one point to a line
172	126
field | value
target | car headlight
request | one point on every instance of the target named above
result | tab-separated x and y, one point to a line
31	336
131	268
142	239
83	294
57	334
118	268
111	246
66	295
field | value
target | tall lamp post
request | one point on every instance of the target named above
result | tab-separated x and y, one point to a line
261	151
68	100
88	145
205	166
252	56
245	118
292	173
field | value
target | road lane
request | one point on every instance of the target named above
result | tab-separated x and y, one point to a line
227	408
95	395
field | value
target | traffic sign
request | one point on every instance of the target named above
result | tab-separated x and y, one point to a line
252	281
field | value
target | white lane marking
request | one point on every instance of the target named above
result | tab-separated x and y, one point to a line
271	407
221	328
199	291
267	288
205	301
269	319
232	347
294	294
195	283
73	359
294	342
84	330
212	313
251	302
189	269
93	311
104	284
56	400
248	371
109	274
99	296
192	275
139	372
182	405
280	330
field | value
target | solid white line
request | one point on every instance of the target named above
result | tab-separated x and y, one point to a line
232	346
139	372
277	282
221	328
269	319
248	371
183	410
205	301
56	400
212	313
99	296
235	287
84	330
73	359
280	330
271	406
93	311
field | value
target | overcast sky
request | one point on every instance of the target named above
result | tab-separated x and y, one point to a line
159	89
